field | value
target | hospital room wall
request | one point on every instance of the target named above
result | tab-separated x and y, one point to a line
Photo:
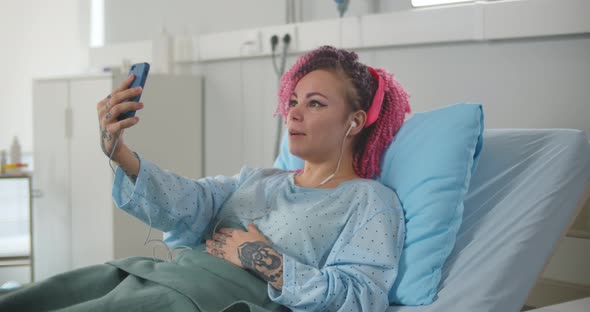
522	83
198	17
529	83
39	38
185	16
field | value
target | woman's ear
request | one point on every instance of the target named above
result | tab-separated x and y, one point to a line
359	118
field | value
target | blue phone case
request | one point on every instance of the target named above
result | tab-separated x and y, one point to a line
140	70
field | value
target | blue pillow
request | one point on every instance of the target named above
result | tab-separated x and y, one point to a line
429	165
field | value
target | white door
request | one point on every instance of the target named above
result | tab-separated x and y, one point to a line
92	208
51	213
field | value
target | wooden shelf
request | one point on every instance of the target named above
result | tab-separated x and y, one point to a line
16	261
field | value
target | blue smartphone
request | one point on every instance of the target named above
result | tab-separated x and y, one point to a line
140	70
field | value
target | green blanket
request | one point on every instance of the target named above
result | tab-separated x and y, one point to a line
196	282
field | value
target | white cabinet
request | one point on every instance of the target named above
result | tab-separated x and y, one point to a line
75	221
16	258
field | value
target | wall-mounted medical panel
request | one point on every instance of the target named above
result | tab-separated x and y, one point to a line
315	34
535	18
427	25
266	34
351	32
229	45
343	32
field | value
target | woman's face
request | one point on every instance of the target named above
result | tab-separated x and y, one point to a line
318	116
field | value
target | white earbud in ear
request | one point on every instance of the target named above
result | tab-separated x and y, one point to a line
352	125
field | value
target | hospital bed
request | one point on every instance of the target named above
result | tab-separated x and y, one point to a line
528	187
521	199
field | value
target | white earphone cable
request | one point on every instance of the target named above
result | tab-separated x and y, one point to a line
147	238
352	125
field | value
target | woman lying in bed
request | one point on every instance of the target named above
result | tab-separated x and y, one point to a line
324	238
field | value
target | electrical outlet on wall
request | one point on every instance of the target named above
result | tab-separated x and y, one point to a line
281	32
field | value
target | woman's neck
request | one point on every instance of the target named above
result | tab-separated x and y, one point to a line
313	174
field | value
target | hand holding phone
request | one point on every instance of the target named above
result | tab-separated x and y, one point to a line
117	110
140	70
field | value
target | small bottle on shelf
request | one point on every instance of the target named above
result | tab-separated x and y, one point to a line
15	153
3	161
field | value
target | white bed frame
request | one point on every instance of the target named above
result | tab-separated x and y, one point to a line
584	200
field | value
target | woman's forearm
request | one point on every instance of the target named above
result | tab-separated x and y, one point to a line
128	161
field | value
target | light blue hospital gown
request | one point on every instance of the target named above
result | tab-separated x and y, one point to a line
340	246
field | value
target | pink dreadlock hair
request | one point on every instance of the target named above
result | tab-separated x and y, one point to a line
373	140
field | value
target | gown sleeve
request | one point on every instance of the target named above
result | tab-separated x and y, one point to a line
179	206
